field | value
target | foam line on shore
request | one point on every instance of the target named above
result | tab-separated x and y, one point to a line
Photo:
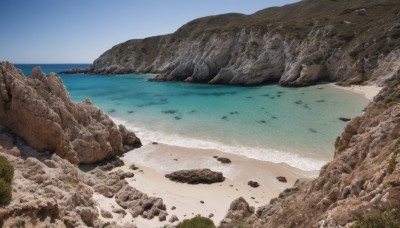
263	154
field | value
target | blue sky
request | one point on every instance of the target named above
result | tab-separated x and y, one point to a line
78	31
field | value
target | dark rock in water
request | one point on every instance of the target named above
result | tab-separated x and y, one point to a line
272	97
281	179
278	95
224	118
321	101
191	112
170	111
265	95
76	71
154	143
280	92
274	117
253	184
224	160
130	111
306	106
111	111
249	97
298	102
262	108
178	117
196	176
262	121
312	130
344	119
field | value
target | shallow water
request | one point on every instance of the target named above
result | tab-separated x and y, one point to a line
297	126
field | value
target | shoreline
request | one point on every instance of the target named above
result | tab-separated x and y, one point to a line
154	161
369	91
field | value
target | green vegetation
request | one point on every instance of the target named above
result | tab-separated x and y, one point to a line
6	169
387	219
197	222
392	163
6	175
18	224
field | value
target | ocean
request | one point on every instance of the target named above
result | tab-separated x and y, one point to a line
297	126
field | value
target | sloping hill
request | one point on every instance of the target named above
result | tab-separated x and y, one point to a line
299	44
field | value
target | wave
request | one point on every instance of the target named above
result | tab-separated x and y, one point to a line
263	154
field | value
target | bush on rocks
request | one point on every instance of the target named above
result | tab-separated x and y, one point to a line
6	176
196	222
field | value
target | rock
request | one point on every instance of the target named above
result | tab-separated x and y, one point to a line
281	179
239	211
223	160
253	184
173	208
50	121
162	216
119	211
196	176
106	214
238	51
211	215
344	119
201	201
133	167
173	219
138	203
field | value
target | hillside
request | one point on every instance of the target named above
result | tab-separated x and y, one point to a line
347	42
362	180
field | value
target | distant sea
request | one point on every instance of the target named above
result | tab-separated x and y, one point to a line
297	126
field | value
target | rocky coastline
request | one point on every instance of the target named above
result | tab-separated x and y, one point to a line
344	42
65	155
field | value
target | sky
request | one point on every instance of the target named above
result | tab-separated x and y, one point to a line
79	31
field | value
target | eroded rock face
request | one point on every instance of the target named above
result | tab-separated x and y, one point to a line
51	192
196	176
361	180
317	43
39	109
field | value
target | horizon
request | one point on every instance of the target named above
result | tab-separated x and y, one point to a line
54	35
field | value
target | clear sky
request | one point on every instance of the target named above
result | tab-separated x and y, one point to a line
78	31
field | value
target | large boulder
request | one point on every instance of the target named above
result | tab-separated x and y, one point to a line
39	109
196	176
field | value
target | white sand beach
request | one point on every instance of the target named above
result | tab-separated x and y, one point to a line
154	161
369	91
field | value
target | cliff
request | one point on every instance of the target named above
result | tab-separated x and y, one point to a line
300	44
362	180
39	109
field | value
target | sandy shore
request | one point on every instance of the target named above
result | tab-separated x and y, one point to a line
369	91
154	161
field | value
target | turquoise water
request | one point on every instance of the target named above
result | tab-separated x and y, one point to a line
297	126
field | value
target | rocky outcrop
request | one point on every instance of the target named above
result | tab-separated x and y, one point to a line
39	109
51	192
196	176
295	45
362	179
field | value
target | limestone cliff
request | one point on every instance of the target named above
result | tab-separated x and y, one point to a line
363	179
39	109
299	44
